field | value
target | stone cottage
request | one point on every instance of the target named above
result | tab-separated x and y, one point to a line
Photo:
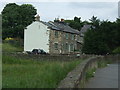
53	37
83	31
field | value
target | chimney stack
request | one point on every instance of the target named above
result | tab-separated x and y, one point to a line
56	20
37	18
62	20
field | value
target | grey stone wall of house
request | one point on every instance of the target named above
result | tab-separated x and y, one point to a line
66	43
54	40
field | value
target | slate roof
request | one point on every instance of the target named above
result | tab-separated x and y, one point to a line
84	29
61	26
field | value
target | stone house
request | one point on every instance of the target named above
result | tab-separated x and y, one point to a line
83	31
53	37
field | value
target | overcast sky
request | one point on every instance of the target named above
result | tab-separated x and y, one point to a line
48	11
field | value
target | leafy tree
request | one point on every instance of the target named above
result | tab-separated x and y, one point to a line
118	31
76	23
15	18
77	19
102	39
95	22
117	50
94	44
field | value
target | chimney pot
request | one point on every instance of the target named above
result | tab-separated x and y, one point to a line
62	20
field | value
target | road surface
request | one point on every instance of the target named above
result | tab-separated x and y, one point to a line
105	77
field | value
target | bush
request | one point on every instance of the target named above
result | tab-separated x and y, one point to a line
117	50
17	42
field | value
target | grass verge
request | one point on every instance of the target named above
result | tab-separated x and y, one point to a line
6	47
90	74
103	63
22	73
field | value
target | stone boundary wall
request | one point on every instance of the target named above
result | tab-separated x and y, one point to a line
76	78
115	58
47	57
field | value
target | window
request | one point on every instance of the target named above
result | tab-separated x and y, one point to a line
56	46
72	36
71	47
66	46
56	34
66	35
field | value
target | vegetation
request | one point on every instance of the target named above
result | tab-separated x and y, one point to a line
23	73
103	63
116	50
15	18
90	73
31	73
11	47
102	38
76	23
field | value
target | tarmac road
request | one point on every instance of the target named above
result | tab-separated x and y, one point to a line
105	77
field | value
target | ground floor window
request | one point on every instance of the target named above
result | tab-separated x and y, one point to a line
56	46
66	46
71	47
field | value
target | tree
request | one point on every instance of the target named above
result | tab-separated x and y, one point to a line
77	19
15	18
102	39
118	31
95	22
94	44
76	23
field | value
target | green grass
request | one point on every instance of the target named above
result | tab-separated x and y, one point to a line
90	74
6	47
103	63
19	73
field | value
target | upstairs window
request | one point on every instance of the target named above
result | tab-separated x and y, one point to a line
66	35
72	37
56	34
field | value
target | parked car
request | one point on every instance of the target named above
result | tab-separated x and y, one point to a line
27	52
38	51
